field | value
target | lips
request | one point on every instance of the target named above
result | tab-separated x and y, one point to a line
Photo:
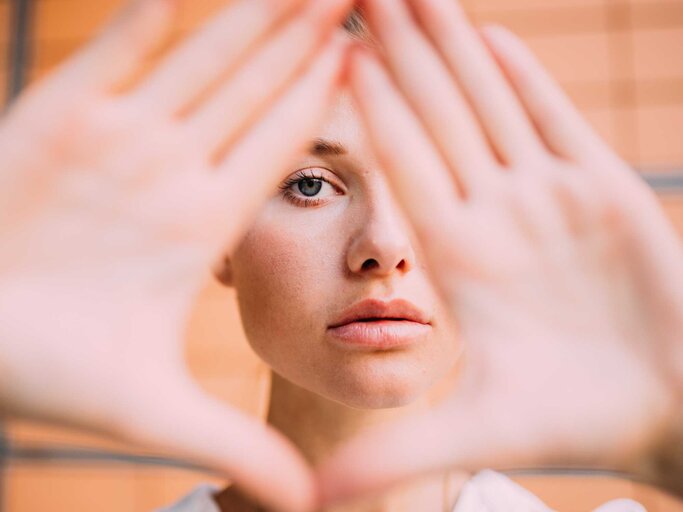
377	325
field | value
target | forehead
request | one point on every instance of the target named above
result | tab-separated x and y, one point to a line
343	124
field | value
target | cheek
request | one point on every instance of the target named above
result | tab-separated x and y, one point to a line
284	276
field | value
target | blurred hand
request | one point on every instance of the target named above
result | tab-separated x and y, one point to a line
562	271
120	188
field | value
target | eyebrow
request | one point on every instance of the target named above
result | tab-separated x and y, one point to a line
324	147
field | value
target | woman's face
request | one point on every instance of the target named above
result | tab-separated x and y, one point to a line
331	285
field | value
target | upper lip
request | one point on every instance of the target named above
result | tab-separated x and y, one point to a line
374	309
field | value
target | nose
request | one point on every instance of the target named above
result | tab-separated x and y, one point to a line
382	244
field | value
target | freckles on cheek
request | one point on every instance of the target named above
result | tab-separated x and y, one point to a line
278	273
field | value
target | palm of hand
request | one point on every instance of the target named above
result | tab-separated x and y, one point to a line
558	319
111	189
103	222
556	261
117	198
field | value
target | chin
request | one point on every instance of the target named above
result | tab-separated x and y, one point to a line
379	381
383	401
378	391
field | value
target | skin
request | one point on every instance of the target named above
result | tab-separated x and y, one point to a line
292	271
115	184
106	238
301	265
558	262
563	304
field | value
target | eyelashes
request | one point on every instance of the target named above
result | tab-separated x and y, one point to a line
301	175
291	188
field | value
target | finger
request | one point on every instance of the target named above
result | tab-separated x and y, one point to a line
419	177
504	120
264	153
121	50
560	124
187	423
222	118
402	145
433	93
212	52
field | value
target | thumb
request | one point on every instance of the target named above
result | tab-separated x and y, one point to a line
463	433
388	455
188	423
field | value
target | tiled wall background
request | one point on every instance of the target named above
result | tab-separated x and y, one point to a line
620	60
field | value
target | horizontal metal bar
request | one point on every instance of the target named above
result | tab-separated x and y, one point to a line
13	454
63	455
664	180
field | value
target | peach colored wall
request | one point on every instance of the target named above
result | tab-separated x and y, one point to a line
620	60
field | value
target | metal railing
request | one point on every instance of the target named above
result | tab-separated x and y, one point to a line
44	454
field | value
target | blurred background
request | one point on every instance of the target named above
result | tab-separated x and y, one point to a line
620	60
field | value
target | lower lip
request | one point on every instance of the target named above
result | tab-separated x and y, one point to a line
379	335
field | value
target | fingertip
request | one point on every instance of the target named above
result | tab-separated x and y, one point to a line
291	486
504	41
341	42
374	463
334	478
119	54
354	471
331	11
149	14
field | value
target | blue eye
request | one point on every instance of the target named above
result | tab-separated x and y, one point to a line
314	186
310	186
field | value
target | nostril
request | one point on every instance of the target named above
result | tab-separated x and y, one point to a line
370	264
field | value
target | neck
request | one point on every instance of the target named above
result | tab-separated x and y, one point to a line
317	426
